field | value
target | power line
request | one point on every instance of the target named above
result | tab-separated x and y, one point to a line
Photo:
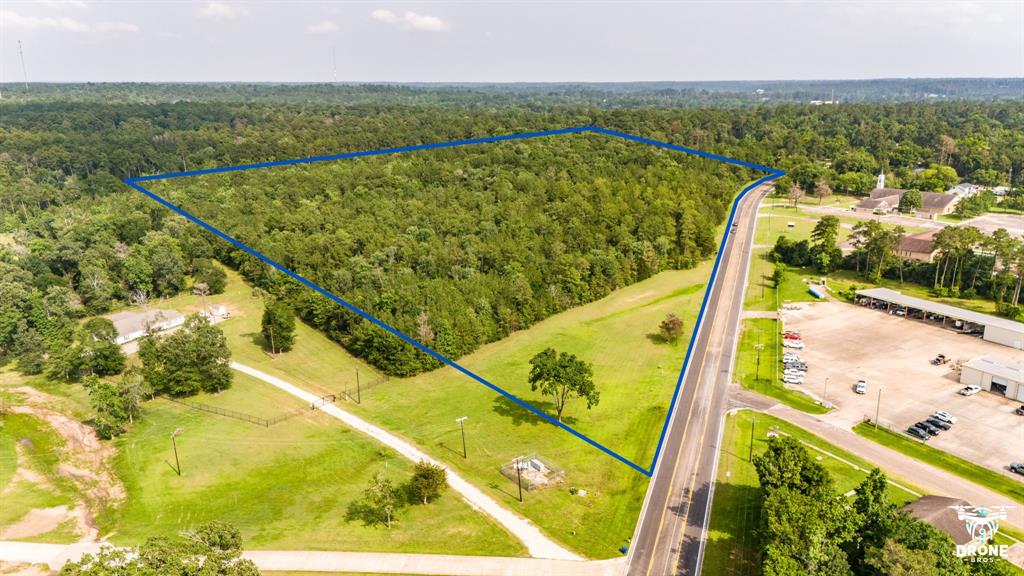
24	71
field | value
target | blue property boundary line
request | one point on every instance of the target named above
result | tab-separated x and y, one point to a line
772	174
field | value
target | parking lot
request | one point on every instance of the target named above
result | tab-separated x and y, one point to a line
988	223
845	343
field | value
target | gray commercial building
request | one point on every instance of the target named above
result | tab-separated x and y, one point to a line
997	375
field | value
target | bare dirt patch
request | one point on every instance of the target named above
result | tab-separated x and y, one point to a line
36	522
85	461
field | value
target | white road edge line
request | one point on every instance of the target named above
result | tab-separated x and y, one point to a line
728	380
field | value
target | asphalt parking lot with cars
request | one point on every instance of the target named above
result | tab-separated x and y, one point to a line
845	344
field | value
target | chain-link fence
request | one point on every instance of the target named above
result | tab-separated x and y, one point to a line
533	471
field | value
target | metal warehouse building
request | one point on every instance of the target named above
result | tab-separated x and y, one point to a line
997	375
991	328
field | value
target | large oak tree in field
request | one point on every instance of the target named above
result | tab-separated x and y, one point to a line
563	376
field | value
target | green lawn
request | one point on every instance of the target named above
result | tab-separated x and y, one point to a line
732	547
762	294
897	441
288	486
766	331
635	372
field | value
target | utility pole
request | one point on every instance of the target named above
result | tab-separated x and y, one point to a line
359	392
824	395
750	456
878	406
273	350
519	478
758	347
462	427
177	465
334	64
24	71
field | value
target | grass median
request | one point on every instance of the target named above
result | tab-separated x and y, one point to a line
994	481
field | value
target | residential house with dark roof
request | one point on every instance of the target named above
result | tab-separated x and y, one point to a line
920	247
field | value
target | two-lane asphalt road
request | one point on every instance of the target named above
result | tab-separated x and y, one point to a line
672	528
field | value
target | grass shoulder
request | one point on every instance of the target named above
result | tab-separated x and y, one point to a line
1004	485
764	376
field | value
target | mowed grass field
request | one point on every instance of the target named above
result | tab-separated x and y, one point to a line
635	372
732	547
288	486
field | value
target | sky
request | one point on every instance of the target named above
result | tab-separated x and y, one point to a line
522	41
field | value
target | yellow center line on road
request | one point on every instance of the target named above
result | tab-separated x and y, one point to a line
686	433
704	429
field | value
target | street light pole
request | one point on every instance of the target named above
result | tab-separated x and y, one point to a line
824	394
174	443
878	406
462	427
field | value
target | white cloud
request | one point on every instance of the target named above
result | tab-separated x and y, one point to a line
9	19
410	20
322	27
222	11
385	16
78	4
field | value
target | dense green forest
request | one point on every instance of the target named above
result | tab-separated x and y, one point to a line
483	95
75	241
459	247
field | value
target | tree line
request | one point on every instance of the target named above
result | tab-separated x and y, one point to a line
74	242
967	262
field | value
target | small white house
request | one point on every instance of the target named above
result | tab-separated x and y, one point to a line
132	325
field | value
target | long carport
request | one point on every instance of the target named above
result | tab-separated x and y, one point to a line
992	328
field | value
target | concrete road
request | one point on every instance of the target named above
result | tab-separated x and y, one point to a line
15	557
671	531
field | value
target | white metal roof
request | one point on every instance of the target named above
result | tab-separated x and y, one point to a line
896	297
1000	367
131	321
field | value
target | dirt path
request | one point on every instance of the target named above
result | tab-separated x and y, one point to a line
84	461
539	545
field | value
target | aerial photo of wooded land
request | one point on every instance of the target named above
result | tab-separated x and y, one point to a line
727	327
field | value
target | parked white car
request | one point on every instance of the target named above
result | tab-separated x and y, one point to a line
970	390
945	416
793	344
861	387
793	379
